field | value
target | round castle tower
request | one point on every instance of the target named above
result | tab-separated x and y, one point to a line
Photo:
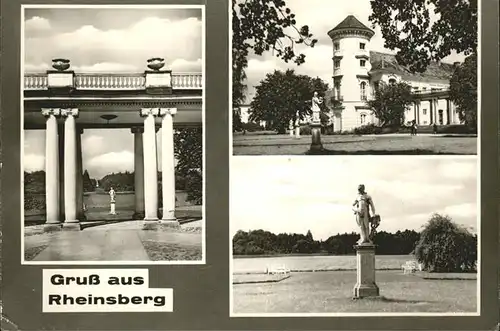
351	67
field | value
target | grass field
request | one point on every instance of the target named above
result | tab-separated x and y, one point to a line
331	292
312	263
266	144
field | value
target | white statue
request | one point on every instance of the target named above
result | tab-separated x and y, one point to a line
361	208
316	101
112	195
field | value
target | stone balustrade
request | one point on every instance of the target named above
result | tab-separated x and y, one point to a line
107	81
110	81
36	81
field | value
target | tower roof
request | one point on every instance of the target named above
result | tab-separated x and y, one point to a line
351	23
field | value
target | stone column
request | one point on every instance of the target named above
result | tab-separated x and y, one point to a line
138	173
365	266
61	172
70	169
448	113
150	169
53	220
431	111
80	213
168	166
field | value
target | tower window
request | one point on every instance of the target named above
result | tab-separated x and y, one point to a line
363	118
362	63
362	88
336	46
361	45
392	81
337	63
424	111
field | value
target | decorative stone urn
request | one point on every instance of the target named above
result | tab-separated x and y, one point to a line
60	64
156	63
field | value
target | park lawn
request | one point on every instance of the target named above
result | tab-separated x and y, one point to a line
331	292
350	144
172	244
160	251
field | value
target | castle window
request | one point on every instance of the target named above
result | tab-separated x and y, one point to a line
362	88
362	63
363	118
336	46
424	111
361	45
337	63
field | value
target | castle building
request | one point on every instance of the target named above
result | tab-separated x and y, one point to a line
358	71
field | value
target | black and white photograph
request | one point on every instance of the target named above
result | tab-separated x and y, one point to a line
354	236
113	139
355	77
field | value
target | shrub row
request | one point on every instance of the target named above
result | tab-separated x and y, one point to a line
34	202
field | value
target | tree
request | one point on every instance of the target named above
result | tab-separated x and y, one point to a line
421	37
88	185
463	90
260	26
390	103
121	181
281	95
188	150
446	247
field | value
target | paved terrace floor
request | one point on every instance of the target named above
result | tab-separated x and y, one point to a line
121	241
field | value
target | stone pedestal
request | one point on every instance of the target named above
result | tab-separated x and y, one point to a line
297	131
316	137
365	266
112	210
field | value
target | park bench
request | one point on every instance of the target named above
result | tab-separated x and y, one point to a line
411	267
277	270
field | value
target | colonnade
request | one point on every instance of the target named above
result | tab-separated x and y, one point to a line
64	177
440	111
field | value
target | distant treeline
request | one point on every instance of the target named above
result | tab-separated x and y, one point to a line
260	242
34	182
34	186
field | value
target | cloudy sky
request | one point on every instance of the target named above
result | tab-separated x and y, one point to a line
108	40
321	16
293	195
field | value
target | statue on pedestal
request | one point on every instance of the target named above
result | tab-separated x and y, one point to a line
361	208
315	102
112	195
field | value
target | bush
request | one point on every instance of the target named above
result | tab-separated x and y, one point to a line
463	129
34	202
252	127
305	130
446	247
368	129
390	129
